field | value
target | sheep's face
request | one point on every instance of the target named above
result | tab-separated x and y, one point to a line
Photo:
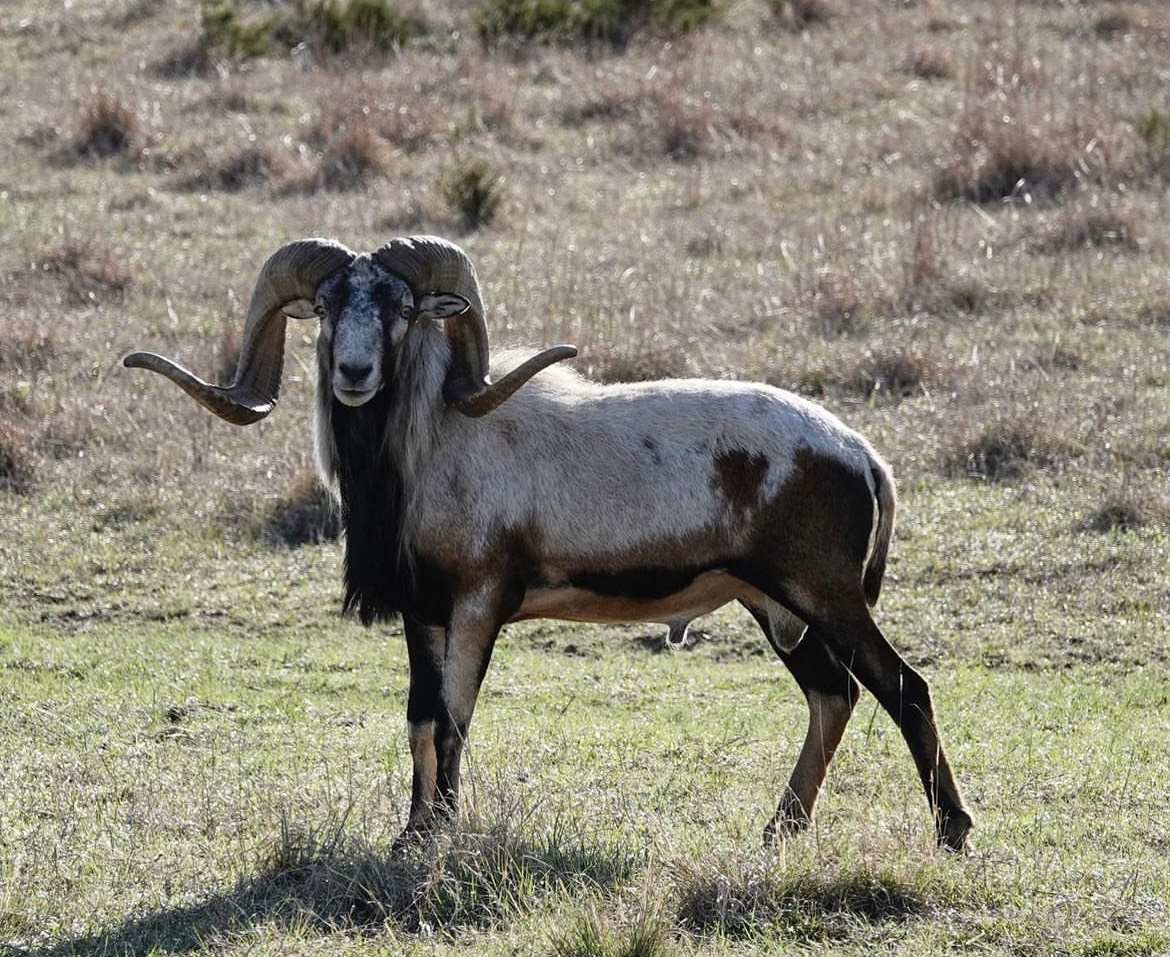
365	313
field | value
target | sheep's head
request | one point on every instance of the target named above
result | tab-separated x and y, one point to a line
366	304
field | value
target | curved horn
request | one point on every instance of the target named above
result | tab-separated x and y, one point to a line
430	264
292	272
484	401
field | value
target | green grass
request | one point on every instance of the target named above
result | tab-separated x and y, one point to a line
224	768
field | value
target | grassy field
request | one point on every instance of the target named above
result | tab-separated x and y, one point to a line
945	220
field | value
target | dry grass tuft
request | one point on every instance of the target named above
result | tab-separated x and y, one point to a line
799	15
1114	23
1093	229
17	463
25	352
590	934
85	272
648	364
473	190
254	166
1003	154
1126	510
470	876
1010	447
740	901
109	127
930	63
304	515
354	156
893	373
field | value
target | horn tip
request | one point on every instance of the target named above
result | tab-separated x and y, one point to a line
137	360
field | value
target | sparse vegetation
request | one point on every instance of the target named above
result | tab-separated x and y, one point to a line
946	221
324	26
473	189
305	515
109	127
611	21
353	157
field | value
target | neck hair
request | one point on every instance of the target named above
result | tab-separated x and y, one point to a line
373	458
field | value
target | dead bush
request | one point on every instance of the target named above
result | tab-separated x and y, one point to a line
17	464
647	364
353	157
892	373
86	273
304	515
930	64
25	352
1008	448
1092	229
254	166
109	127
473	189
799	15
996	158
1127	511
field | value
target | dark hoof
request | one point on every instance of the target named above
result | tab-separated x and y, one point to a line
790	819
953	830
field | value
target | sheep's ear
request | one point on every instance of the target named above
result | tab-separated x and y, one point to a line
441	305
299	309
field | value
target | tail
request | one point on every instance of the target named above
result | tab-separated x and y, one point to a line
887	504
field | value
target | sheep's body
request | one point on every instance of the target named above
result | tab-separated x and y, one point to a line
469	503
631	502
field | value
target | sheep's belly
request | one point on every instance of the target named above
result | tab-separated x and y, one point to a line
609	601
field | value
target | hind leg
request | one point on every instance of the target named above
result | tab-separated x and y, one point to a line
860	645
831	693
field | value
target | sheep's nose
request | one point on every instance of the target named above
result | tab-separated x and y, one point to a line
355	372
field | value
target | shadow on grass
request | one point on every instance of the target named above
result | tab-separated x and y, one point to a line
739	903
336	883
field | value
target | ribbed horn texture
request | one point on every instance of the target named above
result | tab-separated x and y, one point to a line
429	264
292	272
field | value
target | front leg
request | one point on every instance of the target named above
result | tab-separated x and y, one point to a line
446	670
425	648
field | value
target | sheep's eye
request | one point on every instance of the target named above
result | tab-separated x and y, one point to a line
319	309
407	313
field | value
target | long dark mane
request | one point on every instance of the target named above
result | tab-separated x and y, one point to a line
379	576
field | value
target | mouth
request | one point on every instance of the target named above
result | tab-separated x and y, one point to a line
353	397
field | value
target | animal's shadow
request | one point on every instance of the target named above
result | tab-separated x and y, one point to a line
449	883
470	880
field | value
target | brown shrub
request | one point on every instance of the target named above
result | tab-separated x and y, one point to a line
1010	447
304	515
1126	511
930	64
647	364
1094	229
995	160
892	373
801	14
87	273
473	189
17	464
109	127
353	157
25	352
254	166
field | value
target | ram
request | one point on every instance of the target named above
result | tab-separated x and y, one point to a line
470	503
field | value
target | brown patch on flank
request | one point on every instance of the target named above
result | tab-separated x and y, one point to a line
811	542
739	475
